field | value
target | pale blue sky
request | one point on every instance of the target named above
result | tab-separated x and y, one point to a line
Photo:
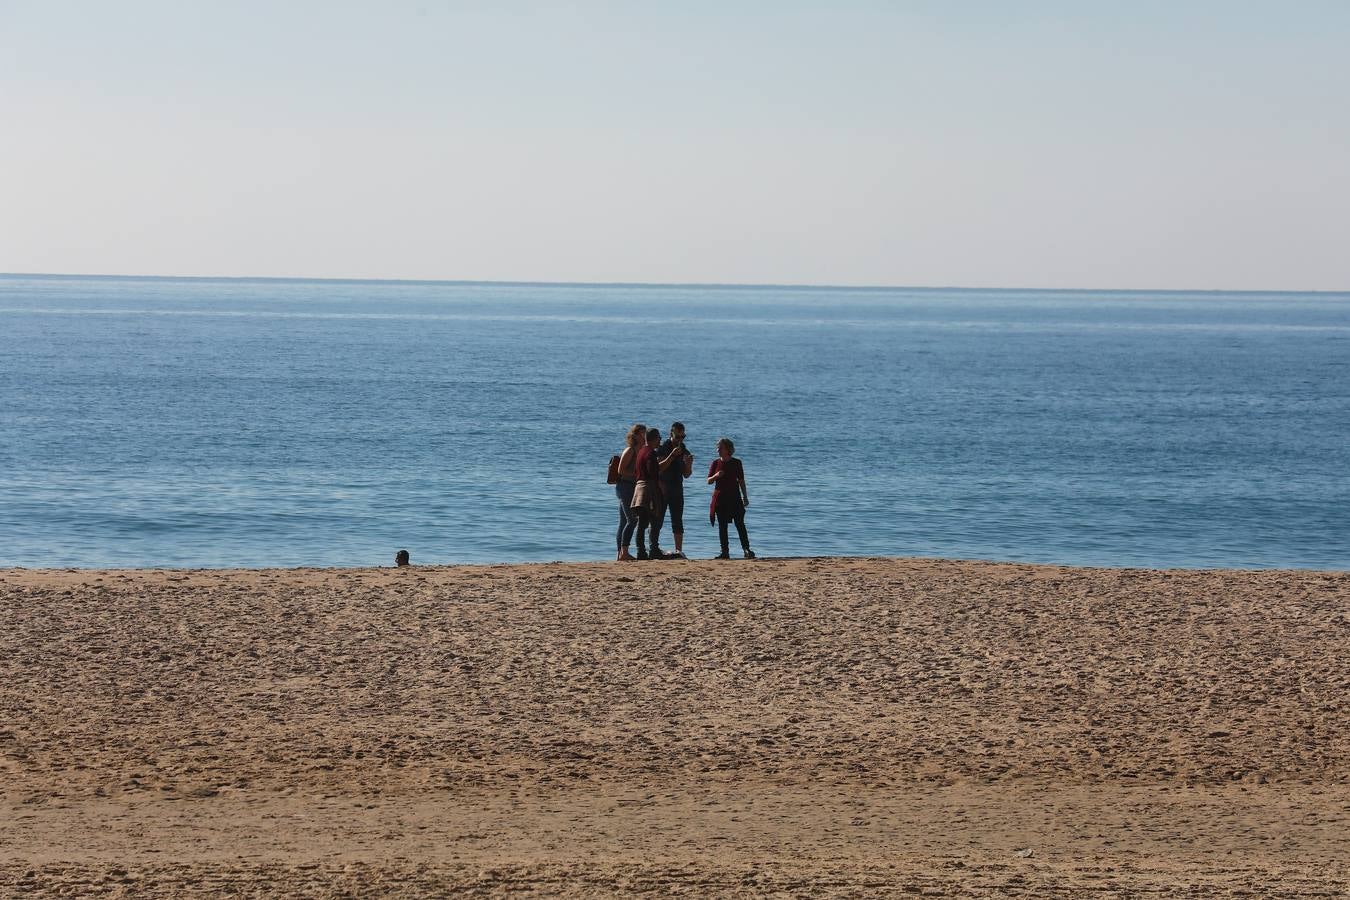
1111	145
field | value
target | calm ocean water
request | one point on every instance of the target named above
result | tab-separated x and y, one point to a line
193	422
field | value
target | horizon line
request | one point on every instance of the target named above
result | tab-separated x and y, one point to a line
662	284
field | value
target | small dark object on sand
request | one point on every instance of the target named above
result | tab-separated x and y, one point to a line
401	558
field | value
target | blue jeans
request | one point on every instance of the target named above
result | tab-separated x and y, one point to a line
628	519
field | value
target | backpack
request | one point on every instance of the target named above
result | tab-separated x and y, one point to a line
613	476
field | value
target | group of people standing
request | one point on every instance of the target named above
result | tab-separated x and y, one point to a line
648	477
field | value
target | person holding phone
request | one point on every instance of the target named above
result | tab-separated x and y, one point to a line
730	497
672	486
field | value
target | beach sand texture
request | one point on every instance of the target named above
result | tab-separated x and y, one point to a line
833	727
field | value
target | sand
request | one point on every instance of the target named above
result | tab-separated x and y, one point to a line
844	727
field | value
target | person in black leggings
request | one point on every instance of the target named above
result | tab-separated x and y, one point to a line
730	497
672	486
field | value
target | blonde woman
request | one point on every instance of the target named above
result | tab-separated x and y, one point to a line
628	517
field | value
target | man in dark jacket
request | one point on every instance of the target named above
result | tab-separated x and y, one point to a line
672	487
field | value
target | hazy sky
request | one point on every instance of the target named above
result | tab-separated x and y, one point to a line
1035	144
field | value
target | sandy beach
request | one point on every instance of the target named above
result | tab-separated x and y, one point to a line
850	727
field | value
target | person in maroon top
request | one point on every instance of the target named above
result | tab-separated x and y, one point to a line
730	497
647	493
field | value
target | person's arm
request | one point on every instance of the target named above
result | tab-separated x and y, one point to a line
624	462
688	464
714	471
745	493
665	463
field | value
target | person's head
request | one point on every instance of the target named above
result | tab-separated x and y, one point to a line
636	435
725	448
401	558
677	431
653	437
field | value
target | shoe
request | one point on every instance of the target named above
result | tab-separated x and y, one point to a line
678	554
642	555
722	556
749	554
657	553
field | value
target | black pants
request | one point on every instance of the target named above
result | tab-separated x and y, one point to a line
648	522
725	518
672	501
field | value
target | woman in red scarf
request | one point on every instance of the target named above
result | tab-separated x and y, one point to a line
730	498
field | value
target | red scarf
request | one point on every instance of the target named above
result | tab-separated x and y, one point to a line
730	483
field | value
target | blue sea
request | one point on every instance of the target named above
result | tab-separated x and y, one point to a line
224	422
